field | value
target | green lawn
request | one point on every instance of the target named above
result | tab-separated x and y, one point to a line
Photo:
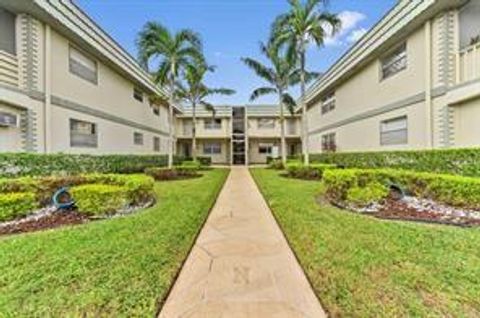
363	267
115	268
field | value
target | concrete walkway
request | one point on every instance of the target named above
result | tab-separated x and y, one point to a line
241	265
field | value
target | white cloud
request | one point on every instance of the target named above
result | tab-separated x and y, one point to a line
355	35
350	28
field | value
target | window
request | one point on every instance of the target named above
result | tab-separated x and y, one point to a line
212	148
329	143
156	144
138	138
83	134
156	110
7	32
215	123
83	66
394	131
395	62
266	123
328	103
138	94
265	149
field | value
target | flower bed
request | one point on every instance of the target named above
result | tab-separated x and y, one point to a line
94	195
436	197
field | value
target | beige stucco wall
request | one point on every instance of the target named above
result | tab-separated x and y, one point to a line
467	127
364	135
223	132
10	137
253	130
254	157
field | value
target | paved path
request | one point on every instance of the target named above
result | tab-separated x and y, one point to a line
241	265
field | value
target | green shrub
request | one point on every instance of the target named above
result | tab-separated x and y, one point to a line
465	162
190	164
99	199
204	161
28	164
371	193
448	189
276	164
163	174
14	205
311	172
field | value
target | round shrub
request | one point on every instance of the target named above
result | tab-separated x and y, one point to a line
99	199
364	196
15	205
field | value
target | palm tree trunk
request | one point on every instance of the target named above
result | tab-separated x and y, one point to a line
282	129
306	156
194	132
170	116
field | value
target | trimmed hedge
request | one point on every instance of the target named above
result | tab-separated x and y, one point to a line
13	205
99	199
204	161
465	162
178	172
457	191
135	189
28	164
311	172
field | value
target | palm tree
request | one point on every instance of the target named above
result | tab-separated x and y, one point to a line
282	74
173	52
194	92
303	24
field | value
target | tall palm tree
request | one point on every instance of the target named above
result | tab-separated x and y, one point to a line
282	74
194	91
303	24
173	52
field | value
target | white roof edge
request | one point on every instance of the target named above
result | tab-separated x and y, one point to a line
393	22
70	16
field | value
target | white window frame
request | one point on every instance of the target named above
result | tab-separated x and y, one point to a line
9	47
266	123
395	62
328	103
329	140
396	127
138	138
138	94
212	148
86	137
156	144
83	66
265	149
212	123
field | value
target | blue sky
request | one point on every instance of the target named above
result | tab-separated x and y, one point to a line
231	29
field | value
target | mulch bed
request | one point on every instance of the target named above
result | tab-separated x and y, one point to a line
399	210
57	219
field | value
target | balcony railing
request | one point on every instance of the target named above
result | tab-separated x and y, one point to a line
8	69
468	64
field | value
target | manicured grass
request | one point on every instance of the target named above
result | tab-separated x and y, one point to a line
363	267
116	268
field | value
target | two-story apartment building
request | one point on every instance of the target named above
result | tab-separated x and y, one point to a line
237	134
66	86
412	82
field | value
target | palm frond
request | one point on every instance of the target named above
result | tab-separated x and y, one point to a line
261	70
262	91
289	102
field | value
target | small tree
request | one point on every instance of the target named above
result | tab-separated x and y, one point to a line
281	75
303	24
194	91
173	52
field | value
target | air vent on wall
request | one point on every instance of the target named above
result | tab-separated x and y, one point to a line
8	120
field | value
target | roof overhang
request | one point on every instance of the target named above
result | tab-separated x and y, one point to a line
68	19
404	18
